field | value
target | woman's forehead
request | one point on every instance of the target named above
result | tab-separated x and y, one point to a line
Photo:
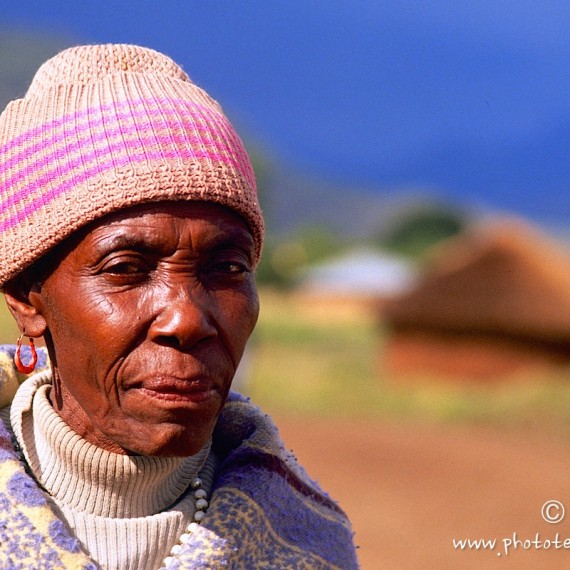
164	222
175	209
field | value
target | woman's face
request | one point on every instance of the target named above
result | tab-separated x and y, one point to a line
149	314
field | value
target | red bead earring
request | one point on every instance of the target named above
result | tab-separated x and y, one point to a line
25	368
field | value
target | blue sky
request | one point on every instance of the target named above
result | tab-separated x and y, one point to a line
469	98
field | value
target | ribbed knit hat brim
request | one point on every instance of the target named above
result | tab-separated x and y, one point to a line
103	128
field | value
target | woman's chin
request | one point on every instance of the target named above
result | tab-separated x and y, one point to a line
166	440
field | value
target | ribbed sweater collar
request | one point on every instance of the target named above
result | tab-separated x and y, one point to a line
87	478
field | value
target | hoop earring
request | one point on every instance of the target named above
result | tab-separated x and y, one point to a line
25	368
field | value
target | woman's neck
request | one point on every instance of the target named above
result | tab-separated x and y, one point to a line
85	477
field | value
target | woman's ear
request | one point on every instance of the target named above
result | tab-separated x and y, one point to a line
24	302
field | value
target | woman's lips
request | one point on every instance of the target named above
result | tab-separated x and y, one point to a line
178	390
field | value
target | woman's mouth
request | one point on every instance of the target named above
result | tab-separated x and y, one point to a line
170	389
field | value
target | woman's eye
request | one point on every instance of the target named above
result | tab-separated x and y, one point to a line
123	268
231	267
126	267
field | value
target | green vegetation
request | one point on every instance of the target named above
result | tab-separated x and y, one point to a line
417	229
285	258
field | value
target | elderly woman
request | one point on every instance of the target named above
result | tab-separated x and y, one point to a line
130	232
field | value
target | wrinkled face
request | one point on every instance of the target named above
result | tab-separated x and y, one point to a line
148	315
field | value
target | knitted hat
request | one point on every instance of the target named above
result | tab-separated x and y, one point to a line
106	127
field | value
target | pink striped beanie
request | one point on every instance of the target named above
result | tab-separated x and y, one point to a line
105	127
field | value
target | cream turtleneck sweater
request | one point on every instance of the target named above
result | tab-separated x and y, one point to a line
127	511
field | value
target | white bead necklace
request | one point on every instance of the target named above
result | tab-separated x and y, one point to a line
201	504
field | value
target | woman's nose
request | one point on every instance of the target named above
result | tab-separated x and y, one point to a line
184	320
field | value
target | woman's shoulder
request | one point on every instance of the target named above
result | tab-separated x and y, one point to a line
285	515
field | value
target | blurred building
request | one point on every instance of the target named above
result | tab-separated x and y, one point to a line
494	303
365	274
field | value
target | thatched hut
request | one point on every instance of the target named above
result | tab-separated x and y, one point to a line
494	303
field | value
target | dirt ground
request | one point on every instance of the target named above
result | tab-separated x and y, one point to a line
410	490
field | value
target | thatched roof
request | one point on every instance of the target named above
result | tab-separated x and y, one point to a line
505	279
